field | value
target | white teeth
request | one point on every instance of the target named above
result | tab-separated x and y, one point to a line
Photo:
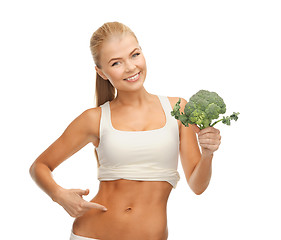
132	77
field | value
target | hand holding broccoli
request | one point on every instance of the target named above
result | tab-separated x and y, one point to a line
209	139
202	108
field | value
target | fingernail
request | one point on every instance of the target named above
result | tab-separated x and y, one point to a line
104	209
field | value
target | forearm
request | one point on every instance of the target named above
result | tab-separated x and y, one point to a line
201	175
42	175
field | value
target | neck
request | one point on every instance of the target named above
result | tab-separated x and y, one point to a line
135	99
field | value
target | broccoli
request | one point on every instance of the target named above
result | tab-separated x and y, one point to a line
202	108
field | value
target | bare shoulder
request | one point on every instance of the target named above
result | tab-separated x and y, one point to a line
174	100
91	118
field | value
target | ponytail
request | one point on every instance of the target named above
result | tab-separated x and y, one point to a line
105	91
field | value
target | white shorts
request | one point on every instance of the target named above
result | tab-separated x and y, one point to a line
76	237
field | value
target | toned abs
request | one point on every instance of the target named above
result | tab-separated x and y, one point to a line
136	210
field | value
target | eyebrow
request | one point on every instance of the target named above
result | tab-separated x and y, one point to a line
120	58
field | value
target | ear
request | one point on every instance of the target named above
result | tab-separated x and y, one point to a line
100	73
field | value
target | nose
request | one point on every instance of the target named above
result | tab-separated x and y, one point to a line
130	66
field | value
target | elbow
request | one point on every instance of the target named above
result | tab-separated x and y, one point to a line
198	193
31	170
199	188
195	189
37	168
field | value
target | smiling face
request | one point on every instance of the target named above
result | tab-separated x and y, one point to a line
121	57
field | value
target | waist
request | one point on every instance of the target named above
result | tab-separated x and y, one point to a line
136	209
131	192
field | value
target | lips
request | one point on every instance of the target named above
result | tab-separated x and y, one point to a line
131	76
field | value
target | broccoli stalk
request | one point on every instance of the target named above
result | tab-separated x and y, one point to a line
226	120
202	108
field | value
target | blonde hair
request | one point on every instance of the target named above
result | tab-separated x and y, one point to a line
105	91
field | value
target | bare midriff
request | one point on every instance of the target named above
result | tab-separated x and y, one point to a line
136	211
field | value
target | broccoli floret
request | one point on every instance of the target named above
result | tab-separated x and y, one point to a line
202	108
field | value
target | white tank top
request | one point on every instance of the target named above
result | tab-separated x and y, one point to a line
139	155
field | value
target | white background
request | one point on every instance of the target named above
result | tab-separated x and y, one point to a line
48	79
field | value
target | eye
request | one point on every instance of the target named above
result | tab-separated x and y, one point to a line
136	54
114	64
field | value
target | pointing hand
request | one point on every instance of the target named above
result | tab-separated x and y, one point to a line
72	201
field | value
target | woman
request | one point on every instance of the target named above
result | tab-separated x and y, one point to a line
137	145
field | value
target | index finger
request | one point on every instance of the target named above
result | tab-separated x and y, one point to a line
208	130
95	205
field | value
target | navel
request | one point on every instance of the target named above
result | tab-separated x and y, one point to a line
128	209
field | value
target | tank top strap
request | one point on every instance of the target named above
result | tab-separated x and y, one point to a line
105	117
167	107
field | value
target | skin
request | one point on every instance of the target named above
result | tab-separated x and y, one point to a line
125	209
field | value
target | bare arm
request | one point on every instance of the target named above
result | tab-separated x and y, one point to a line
209	140
197	166
201	175
78	134
42	175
